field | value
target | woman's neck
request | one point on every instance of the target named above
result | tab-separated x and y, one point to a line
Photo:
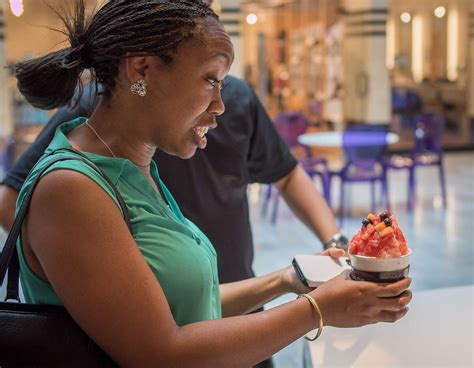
113	134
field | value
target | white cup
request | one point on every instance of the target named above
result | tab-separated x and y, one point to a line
379	269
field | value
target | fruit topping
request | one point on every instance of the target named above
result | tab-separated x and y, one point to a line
386	231
384	216
379	236
371	217
380	226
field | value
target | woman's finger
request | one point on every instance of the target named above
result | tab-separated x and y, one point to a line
395	303
393	289
392	316
336	252
333	252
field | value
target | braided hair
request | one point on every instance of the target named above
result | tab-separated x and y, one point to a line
119	28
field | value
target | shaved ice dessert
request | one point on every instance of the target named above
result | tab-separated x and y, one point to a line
379	251
380	237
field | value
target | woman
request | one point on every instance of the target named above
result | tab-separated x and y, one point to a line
152	298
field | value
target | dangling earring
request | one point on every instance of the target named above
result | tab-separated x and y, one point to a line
139	88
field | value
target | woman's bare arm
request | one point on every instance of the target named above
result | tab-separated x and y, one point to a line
244	296
85	250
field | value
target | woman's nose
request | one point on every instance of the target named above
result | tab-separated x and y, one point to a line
217	106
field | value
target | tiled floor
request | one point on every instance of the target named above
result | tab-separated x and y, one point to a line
442	239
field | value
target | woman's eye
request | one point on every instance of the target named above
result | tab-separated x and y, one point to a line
216	83
212	82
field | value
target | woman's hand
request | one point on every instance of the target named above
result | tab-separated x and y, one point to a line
348	303
291	283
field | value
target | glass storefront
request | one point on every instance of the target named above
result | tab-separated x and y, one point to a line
295	54
294	57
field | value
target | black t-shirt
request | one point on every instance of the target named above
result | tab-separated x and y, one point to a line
211	187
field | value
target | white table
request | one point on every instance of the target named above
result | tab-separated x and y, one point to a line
436	332
333	139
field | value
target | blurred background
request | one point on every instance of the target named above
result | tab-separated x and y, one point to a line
337	61
323	68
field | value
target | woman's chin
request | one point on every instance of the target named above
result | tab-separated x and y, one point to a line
184	151
188	153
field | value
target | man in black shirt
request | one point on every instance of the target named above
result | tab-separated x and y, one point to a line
211	187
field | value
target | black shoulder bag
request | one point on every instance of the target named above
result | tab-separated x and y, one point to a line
43	335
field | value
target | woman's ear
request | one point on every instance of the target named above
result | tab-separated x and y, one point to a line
136	67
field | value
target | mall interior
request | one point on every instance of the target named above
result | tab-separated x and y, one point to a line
400	69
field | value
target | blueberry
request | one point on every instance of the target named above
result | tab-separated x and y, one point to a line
365	222
387	221
383	216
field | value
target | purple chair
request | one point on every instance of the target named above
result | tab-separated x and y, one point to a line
427	151
364	148
406	103
290	126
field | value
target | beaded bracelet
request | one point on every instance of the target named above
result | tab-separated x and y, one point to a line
318	311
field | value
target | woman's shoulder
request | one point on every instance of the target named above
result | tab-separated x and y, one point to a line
65	159
70	170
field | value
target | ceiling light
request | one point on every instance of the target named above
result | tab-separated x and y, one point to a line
252	18
440	11
16	7
405	17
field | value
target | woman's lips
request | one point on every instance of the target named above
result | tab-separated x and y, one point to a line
200	136
201	131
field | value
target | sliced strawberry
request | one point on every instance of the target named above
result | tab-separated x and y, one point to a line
370	229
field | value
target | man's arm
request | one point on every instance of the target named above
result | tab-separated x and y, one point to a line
16	176
307	203
270	161
7	206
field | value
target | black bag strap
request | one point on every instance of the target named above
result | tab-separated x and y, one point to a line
13	277
9	257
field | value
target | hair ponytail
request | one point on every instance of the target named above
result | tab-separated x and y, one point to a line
119	28
50	81
46	82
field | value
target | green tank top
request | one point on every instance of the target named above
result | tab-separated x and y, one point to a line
179	254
